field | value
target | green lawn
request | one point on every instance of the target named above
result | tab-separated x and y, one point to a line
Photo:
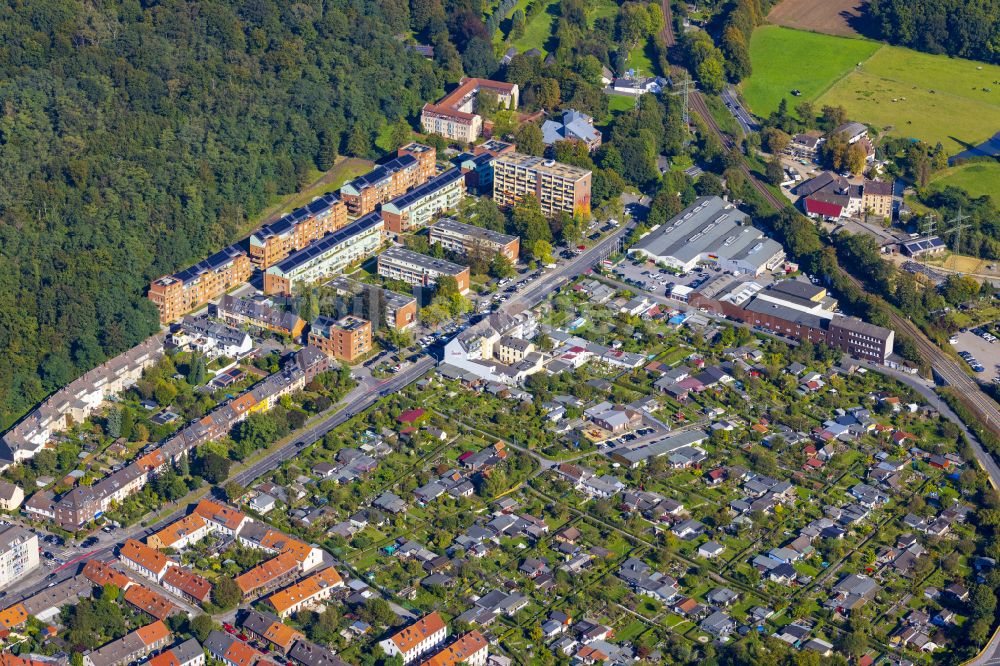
895	90
933	98
642	58
620	103
598	9
784	59
977	179
538	29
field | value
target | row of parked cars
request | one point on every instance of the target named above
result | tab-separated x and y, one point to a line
971	360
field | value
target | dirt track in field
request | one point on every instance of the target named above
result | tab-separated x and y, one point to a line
831	17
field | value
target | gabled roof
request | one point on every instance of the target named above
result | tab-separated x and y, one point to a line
408	638
146	557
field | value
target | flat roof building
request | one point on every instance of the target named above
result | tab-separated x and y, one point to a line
414	268
413	210
346	339
400	309
469	239
191	288
558	187
18	553
327	256
711	230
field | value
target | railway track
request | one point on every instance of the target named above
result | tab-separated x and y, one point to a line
667	34
947	369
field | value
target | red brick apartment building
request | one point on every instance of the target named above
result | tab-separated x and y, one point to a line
346	339
273	242
413	166
174	295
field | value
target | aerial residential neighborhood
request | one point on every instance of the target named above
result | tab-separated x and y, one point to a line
534	333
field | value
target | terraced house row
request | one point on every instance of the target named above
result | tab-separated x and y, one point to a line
83	504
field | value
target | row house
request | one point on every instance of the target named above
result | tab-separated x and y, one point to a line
417	639
307	593
131	647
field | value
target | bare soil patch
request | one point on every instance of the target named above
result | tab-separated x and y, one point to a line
832	17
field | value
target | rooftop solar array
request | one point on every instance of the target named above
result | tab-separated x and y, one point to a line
290	221
425	190
924	244
328	242
218	260
380	174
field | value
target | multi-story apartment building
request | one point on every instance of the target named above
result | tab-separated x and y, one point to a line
251	312
471	240
876	198
327	256
558	187
275	241
477	166
860	339
182	292
417	639
77	400
400	309
425	155
386	181
18	553
414	268
346	339
454	116
413	210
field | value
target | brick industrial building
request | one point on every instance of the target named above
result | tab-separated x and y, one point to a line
413	210
346	339
454	116
418	269
469	239
193	287
273	242
795	309
327	256
558	187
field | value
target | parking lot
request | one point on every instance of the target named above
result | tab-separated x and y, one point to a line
655	280
988	354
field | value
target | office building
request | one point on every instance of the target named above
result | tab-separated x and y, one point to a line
386	181
711	231
400	309
193	287
346	339
275	241
558	187
417	269
18	553
258	314
413	210
327	256
471	240
454	116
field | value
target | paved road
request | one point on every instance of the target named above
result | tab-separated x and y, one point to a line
746	120
536	292
358	400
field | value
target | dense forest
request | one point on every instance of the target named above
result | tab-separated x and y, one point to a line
956	27
137	137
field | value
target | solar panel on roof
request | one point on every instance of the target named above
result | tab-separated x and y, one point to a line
329	241
428	188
